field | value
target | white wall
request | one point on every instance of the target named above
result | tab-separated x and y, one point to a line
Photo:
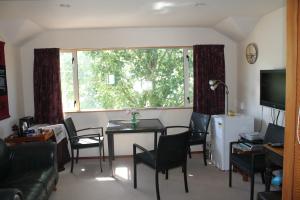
270	37
15	97
128	37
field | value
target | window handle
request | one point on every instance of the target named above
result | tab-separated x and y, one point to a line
188	58
297	130
188	99
75	103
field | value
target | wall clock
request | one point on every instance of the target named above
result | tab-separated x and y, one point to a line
251	53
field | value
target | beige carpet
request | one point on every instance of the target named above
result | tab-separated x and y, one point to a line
207	183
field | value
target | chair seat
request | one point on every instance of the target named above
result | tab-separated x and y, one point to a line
196	139
146	159
274	195
243	162
87	142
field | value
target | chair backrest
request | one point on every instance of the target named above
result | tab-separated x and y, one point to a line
70	127
171	150
199	123
274	134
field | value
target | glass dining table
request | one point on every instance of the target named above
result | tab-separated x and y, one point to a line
126	127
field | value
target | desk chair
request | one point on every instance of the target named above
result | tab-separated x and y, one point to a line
83	141
254	162
171	153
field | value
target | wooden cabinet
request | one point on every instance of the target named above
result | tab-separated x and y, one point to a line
291	175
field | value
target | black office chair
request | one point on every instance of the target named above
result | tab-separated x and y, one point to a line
254	162
274	195
171	153
198	131
83	141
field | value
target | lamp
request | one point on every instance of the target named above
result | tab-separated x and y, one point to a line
214	84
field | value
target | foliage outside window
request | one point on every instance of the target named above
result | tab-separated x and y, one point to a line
126	78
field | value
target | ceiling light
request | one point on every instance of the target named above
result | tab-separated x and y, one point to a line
64	5
162	5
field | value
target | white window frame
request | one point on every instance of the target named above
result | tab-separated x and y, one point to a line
187	104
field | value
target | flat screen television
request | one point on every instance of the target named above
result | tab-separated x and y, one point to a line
272	88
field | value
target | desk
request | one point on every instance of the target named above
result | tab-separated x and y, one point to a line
274	157
125	127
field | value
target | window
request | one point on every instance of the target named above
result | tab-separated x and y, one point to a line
126	78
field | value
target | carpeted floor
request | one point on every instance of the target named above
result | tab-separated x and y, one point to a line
207	183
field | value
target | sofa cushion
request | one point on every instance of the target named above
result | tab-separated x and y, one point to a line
46	177
4	159
31	169
34	191
10	194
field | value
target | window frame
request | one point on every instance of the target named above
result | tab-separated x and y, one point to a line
187	103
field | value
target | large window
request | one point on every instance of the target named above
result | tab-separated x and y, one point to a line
126	78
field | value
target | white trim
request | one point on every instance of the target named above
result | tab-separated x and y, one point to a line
186	76
76	81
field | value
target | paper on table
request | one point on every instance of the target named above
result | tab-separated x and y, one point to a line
129	121
111	125
59	131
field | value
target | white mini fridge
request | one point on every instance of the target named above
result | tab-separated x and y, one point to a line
225	129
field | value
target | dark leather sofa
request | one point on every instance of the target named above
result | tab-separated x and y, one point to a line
28	171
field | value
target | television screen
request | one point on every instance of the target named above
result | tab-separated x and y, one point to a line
272	88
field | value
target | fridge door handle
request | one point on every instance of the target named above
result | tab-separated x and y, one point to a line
297	128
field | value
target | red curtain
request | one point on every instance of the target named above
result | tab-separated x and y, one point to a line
47	91
4	109
209	64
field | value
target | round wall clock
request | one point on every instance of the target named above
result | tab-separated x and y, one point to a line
251	53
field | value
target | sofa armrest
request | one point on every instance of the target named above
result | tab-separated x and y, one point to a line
10	194
32	156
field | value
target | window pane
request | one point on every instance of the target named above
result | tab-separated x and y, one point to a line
191	76
66	76
127	78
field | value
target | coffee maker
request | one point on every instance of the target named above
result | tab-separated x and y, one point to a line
25	123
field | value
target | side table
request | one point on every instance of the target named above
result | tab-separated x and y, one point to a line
240	150
14	139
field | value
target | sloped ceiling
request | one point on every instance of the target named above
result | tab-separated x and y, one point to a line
19	31
21	20
236	28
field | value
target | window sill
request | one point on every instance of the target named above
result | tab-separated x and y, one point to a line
121	110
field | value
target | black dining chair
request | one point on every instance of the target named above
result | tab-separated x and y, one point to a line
83	141
253	162
198	127
171	153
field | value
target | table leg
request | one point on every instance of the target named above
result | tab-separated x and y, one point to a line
268	179
110	143
155	140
